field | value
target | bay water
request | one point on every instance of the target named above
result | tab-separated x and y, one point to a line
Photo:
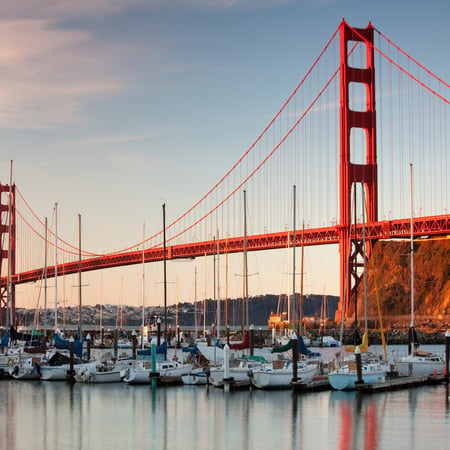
59	415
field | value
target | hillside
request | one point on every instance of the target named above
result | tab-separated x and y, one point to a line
389	277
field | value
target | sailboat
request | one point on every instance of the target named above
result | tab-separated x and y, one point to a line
417	362
373	370
142	371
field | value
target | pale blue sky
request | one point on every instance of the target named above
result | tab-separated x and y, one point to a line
110	107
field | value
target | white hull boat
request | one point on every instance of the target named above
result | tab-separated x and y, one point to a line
60	373
420	364
108	371
143	374
279	374
195	377
26	369
238	372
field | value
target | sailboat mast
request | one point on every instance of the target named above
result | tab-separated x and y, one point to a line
165	271
56	267
294	315
218	288
195	302
143	286
301	282
45	277
9	302
364	255
80	320
411	241
245	262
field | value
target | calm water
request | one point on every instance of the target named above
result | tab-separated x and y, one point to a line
56	415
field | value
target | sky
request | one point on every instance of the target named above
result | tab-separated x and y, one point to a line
112	107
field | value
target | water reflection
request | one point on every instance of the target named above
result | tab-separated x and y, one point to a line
360	419
56	415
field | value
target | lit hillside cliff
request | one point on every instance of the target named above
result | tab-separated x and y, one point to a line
389	277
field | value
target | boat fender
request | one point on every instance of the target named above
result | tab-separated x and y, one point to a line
16	370
37	366
10	362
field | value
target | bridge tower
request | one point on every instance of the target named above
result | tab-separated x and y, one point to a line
7	252
362	81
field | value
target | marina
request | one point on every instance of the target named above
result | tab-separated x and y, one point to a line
215	363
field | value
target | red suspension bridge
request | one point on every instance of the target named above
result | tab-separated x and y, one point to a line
345	138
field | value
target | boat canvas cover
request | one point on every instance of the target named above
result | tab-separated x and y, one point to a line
33	339
33	350
302	348
64	344
162	350
5	340
241	345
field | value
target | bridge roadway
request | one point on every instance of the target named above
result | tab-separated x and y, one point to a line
424	227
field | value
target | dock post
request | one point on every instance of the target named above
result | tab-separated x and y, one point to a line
116	338
447	354
226	368
294	357
153	373
70	373
158	333
88	346
134	343
358	366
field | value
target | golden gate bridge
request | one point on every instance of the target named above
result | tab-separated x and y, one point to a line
361	114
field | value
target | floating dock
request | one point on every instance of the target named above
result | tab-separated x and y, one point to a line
394	384
318	384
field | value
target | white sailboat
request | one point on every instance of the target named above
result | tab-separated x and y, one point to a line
278	374
417	362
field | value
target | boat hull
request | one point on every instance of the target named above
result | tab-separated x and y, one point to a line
346	379
417	366
269	378
168	370
198	377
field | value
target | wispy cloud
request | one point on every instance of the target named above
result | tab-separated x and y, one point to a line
53	66
50	72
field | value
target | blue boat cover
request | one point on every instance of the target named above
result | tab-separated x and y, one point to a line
5	340
162	349
64	344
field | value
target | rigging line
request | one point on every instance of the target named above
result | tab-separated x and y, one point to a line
403	70
40	221
411	58
264	160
